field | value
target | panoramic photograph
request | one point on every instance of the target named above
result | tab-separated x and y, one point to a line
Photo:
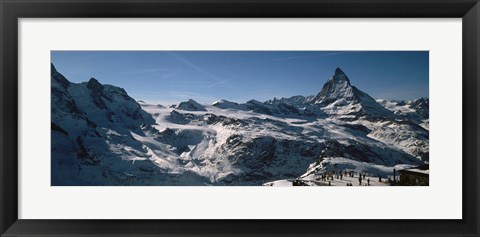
240	118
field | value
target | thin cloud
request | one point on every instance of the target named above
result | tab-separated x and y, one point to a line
163	73
216	80
223	82
156	70
293	58
219	83
194	66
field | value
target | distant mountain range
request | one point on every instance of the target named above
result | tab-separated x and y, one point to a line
102	136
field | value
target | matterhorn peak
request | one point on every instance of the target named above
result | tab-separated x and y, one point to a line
338	86
338	92
340	76
338	71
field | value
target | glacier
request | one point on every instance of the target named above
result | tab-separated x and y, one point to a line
102	136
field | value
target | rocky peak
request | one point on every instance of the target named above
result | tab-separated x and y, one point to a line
191	105
337	87
420	102
338	96
57	77
94	85
52	68
340	76
421	106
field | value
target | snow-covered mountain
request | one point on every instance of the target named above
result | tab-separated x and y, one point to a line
416	111
102	136
338	96
296	101
190	105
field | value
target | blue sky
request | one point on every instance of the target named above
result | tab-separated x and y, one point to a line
168	77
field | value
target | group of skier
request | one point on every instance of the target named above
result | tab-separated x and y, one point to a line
339	174
360	180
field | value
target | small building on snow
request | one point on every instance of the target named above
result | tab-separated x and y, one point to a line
417	176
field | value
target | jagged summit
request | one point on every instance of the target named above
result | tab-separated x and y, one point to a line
191	105
340	76
93	80
337	87
58	78
94	85
52	67
102	136
225	104
338	96
421	106
338	70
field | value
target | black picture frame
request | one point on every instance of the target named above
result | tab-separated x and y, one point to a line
12	10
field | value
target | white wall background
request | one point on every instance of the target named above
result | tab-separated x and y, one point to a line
441	200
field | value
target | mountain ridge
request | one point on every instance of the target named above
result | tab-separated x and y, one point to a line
102	136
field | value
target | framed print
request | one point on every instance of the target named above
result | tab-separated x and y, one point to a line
246	118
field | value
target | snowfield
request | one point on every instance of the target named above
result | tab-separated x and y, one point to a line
101	136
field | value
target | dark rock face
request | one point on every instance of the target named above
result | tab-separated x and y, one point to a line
64	102
268	153
57	128
264	148
357	127
266	158
338	85
288	109
59	78
94	86
338	91
274	107
96	92
225	121
82	114
361	152
100	125
421	106
333	149
258	107
83	153
295	101
179	118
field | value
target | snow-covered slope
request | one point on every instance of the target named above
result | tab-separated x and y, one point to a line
416	111
91	127
190	105
339	97
225	104
101	136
